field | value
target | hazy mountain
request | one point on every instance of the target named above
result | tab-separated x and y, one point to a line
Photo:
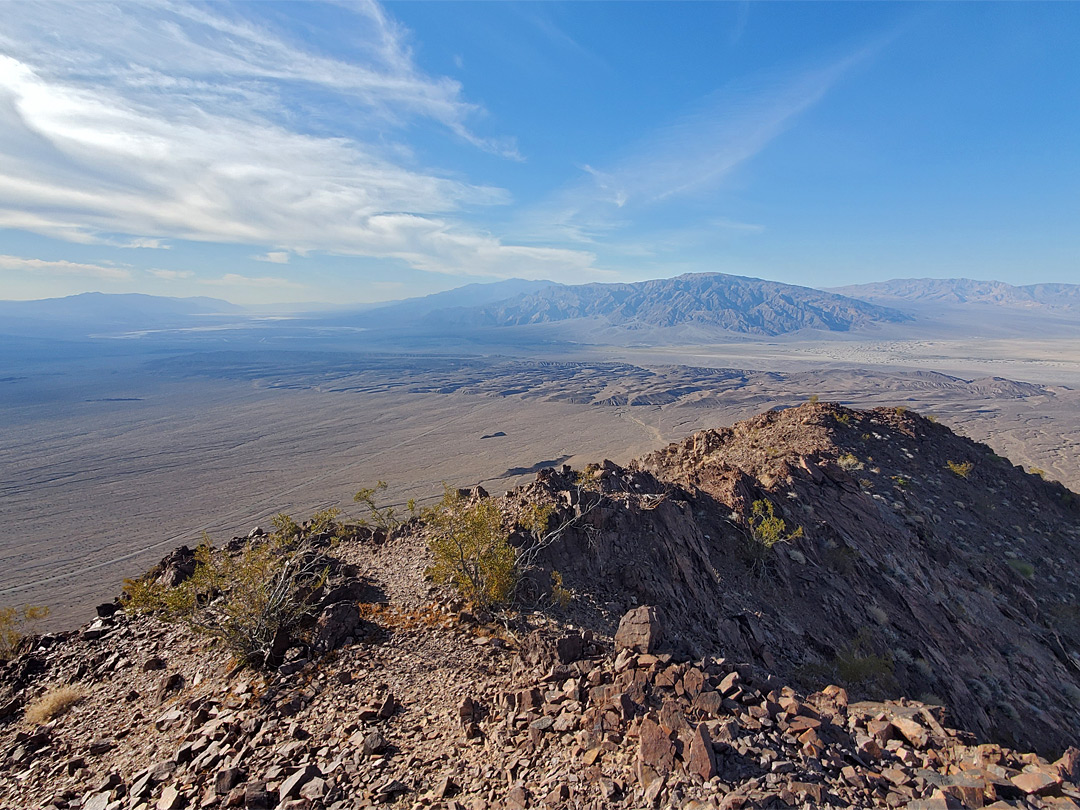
947	291
102	312
716	300
410	310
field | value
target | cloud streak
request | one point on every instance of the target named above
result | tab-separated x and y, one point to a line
692	155
42	267
134	124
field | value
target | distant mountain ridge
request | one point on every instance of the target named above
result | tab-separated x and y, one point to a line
966	291
107	312
732	303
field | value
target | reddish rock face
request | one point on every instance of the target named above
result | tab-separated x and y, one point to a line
639	631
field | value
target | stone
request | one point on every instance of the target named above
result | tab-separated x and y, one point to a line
655	749
152	663
913	732
1038	782
226	779
171	799
335	624
1068	766
256	796
99	801
387	707
639	630
290	788
373	743
702	759
173	682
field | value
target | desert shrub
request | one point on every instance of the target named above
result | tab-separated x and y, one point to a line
560	594
903	482
52	704
247	600
814	399
766	529
849	462
471	548
1024	569
843	418
16	623
960	468
386	518
1037	471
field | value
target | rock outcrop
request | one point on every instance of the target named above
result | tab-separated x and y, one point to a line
691	668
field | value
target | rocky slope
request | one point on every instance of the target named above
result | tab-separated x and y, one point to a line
909	578
716	300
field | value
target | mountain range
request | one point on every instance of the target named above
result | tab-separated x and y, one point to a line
697	307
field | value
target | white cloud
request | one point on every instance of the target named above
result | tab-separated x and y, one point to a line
171	275
63	268
273	256
139	123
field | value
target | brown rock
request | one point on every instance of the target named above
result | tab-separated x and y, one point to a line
1038	782
913	732
702	760
639	630
290	788
1069	765
656	749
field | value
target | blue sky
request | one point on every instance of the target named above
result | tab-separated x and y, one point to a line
344	152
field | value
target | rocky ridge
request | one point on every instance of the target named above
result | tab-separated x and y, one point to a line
398	695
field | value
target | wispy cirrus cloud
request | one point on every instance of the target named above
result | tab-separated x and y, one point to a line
44	267
136	124
171	275
690	156
273	257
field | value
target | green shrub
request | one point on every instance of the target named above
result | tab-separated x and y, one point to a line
471	549
766	529
386	518
960	468
16	623
248	600
849	462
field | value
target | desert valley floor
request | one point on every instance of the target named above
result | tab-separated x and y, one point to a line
104	469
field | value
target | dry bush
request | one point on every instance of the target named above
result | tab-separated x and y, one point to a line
15	623
252	601
52	704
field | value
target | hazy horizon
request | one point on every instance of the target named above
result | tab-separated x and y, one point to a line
262	153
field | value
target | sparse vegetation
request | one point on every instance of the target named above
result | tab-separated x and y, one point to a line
961	469
249	600
385	518
16	623
52	704
849	462
1039	471
471	548
766	529
1024	569
858	666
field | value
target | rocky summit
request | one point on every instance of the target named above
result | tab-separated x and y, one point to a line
817	607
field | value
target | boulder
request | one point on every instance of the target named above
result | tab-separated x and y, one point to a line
639	630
